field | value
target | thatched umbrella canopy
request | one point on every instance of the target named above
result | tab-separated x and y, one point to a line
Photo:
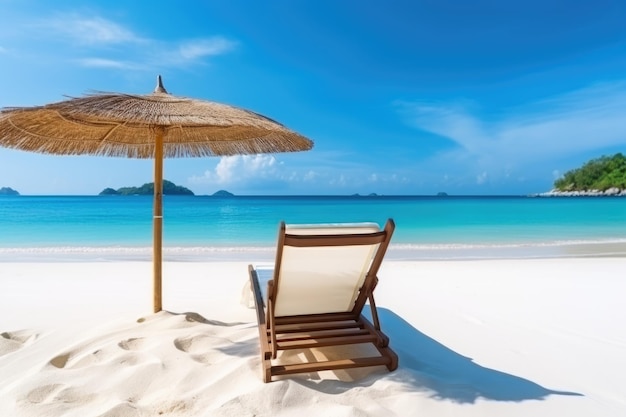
155	126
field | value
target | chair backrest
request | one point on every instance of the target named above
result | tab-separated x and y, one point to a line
322	268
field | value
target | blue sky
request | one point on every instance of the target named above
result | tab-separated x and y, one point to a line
400	97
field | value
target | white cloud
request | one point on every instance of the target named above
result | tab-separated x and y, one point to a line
90	30
114	45
481	178
200	48
341	181
186	53
588	119
452	121
239	169
104	63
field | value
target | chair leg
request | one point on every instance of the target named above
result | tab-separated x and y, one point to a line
393	364
267	370
266	363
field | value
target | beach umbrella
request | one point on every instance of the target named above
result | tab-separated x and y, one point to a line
157	125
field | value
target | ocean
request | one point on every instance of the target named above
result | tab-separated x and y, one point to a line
208	227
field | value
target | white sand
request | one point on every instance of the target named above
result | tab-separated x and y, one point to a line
543	337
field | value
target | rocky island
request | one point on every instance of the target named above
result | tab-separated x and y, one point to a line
8	191
604	176
222	193
169	188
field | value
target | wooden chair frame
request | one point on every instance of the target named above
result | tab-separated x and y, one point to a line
326	329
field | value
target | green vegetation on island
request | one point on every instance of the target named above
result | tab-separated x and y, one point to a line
169	188
8	191
604	173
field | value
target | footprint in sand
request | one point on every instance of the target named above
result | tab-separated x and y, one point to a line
194	344
125	410
43	393
202	348
135	343
73	395
60	361
78	360
12	341
58	393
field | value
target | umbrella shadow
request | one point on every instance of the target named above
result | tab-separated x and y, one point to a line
434	367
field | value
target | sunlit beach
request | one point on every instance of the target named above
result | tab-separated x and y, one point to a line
312	208
474	338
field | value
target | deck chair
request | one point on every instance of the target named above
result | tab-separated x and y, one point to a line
314	295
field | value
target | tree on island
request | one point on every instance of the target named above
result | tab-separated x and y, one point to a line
598	174
169	188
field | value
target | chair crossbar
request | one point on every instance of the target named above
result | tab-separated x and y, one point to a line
320	334
311	327
329	365
334	240
316	318
328	341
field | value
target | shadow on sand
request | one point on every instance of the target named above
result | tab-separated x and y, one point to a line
428	365
425	365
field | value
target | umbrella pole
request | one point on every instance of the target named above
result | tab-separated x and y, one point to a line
158	221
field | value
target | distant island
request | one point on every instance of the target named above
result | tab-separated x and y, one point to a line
8	191
223	193
169	188
604	176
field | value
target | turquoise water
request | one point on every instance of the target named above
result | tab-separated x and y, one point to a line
426	226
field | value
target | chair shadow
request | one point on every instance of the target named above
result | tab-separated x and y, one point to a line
425	365
448	375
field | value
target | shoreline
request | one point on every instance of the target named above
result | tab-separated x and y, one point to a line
405	252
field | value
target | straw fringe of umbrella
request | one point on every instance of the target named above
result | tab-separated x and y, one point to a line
125	125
